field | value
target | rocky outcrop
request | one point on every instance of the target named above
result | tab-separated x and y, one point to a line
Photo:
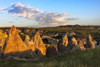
14	42
64	40
89	42
48	40
81	46
38	43
29	42
51	50
3	37
74	41
63	43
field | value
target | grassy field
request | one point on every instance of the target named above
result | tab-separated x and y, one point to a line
76	58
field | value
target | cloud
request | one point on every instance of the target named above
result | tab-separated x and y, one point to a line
72	18
24	11
44	18
50	17
1	9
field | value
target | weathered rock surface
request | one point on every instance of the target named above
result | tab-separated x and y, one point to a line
48	39
3	37
72	43
29	42
63	43
64	40
90	43
51	50
14	42
81	46
38	43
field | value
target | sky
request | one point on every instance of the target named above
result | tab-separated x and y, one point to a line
48	13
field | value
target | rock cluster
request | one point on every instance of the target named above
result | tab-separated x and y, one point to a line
14	43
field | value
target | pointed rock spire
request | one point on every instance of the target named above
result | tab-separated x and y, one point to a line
74	41
12	30
90	43
65	40
38	43
63	43
14	42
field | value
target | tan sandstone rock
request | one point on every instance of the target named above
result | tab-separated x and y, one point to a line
74	41
63	43
81	46
29	42
38	43
90	43
3	37
65	40
14	42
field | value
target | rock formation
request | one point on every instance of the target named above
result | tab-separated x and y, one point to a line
3	37
72	43
51	50
48	40
81	46
38	43
83	41
89	42
29	42
65	40
14	42
63	43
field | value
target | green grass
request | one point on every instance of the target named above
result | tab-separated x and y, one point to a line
76	58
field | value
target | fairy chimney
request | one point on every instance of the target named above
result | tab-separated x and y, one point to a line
65	40
38	43
14	42
90	43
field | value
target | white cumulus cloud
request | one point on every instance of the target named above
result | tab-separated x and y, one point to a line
44	18
24	11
